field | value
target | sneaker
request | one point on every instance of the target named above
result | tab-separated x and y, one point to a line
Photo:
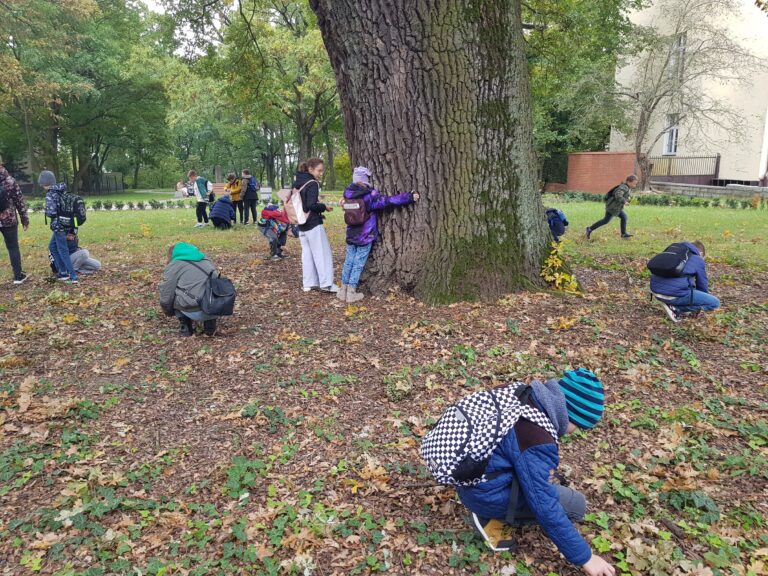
276	257
671	312
62	277
625	236
496	534
588	232
185	327
71	280
199	225
311	288
21	279
332	289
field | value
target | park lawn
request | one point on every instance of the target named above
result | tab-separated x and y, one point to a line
288	444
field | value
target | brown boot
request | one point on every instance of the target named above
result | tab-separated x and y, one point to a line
353	295
342	293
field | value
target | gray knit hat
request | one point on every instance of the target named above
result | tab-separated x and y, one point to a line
552	399
46	178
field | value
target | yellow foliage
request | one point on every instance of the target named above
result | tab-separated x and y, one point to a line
553	272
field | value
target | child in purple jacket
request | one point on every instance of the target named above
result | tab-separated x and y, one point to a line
360	237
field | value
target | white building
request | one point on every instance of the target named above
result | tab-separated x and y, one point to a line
741	158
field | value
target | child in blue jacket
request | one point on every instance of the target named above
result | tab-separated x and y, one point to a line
557	223
519	491
688	292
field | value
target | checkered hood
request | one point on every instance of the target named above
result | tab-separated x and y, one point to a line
458	448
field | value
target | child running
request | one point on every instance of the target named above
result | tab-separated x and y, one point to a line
361	203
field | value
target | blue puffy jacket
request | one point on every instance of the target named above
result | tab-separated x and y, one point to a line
529	453
223	209
694	277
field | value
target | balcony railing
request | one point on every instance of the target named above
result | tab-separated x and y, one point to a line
685	169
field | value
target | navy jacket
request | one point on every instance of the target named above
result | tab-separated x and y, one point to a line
223	209
529	453
694	277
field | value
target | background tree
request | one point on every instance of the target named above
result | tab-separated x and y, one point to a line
435	97
686	47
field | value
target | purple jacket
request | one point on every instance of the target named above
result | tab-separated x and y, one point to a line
368	232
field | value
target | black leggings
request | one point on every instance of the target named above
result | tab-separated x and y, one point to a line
11	237
239	208
608	217
221	224
250	205
202	213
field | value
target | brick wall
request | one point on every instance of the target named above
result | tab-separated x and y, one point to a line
598	172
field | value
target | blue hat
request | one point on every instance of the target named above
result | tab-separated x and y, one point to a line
584	397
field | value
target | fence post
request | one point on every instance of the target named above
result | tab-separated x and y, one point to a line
717	166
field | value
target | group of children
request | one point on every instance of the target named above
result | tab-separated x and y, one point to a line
241	196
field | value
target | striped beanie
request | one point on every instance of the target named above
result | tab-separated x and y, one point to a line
584	397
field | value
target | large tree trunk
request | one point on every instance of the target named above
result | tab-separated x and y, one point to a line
330	158
435	98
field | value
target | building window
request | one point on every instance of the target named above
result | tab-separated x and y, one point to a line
670	138
677	57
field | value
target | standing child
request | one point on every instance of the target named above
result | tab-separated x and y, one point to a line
316	255
250	195
60	226
11	204
615	200
199	187
274	225
233	187
361	202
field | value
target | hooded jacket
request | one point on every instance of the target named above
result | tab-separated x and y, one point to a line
694	277
368	232
14	202
223	209
234	189
52	203
310	199
183	284
621	197
529	453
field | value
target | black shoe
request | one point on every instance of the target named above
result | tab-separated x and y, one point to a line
21	279
496	534
625	236
588	232
209	327
185	327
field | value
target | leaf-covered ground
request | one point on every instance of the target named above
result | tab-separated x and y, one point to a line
288	443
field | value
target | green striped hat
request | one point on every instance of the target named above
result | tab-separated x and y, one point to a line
584	397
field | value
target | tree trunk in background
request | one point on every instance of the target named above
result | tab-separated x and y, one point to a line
330	174
136	168
435	98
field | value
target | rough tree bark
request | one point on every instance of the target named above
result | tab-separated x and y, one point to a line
435	98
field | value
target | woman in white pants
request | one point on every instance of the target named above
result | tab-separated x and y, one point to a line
316	255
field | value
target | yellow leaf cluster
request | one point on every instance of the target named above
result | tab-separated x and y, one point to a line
554	274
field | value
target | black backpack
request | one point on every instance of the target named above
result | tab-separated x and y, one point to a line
71	210
671	262
219	296
611	193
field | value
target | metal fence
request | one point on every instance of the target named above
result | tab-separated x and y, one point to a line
685	169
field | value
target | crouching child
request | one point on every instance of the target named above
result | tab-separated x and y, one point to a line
183	287
274	225
557	223
502	471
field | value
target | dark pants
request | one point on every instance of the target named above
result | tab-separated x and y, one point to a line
608	217
202	212
221	224
276	244
239	208
250	205
572	501
11	237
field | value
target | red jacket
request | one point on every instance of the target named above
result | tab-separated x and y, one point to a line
278	215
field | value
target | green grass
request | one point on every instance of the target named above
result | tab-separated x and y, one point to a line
731	236
134	196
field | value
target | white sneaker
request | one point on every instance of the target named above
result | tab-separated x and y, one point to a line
332	289
310	288
199	225
670	312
